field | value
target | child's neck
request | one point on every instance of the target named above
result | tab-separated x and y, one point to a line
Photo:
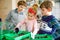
19	10
49	13
31	19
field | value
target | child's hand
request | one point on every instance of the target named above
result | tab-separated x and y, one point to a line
32	35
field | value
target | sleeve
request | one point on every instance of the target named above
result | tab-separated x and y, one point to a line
45	27
55	25
20	23
8	18
35	30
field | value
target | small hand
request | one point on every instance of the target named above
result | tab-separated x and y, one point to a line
32	35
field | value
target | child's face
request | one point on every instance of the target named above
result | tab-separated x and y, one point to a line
31	16
21	7
44	11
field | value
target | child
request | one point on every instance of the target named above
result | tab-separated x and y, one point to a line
16	15
30	22
42	25
46	8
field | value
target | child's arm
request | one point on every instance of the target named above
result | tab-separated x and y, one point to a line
55	25
19	26
20	23
45	27
35	30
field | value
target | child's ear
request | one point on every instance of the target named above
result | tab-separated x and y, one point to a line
49	9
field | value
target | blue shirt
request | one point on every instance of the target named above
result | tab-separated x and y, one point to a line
52	23
14	17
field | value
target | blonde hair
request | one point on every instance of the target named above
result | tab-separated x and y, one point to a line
35	6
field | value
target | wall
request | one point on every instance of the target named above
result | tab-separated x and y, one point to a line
5	7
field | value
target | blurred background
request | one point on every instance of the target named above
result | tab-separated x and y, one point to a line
7	5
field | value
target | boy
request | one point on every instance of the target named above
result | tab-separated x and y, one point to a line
46	8
16	15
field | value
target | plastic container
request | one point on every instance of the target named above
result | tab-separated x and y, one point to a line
43	37
13	36
40	37
3	32
23	35
1	36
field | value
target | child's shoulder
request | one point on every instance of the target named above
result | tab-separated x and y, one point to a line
53	18
48	18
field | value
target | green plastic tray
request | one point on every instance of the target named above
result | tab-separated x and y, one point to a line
3	32
43	37
40	37
23	35
14	36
